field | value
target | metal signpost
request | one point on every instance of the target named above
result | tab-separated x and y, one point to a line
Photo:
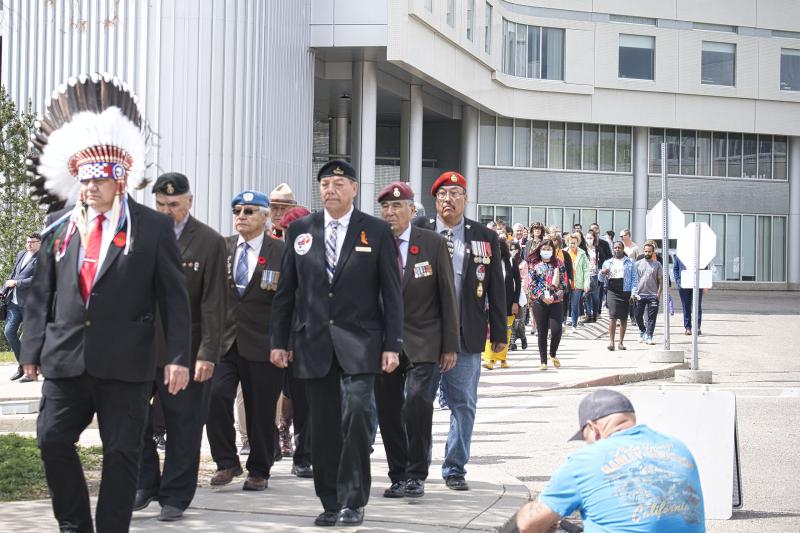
665	246
695	295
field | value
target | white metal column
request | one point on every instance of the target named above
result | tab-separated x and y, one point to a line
415	140
405	118
640	186
793	274
469	157
365	109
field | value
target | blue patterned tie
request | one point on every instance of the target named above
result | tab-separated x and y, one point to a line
241	269
330	250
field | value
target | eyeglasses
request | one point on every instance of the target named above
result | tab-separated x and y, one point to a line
32	241
247	211
455	194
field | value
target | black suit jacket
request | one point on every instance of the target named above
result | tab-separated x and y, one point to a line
513	283
430	326
203	254
248	316
112	338
351	319
474	312
23	275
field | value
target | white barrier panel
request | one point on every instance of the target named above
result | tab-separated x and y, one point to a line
706	422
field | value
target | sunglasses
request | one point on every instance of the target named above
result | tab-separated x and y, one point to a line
248	211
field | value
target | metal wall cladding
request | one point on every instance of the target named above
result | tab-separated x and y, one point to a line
226	85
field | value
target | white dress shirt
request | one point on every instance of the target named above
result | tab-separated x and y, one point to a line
252	253
344	222
403	244
108	236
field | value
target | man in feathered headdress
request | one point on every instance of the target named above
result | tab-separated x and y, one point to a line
110	261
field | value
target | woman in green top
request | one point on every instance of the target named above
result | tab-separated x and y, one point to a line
580	280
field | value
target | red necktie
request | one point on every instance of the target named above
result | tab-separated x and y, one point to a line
399	241
92	252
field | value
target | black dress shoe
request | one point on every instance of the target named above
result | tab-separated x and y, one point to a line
396	490
415	488
170	514
327	519
457	483
143	498
349	517
304	471
18	374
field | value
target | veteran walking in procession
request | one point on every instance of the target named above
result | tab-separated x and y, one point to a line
340	276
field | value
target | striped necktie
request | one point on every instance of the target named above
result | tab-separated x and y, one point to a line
242	269
330	249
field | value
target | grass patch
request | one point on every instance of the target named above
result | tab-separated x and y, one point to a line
7	357
22	473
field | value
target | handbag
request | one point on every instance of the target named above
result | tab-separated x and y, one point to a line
3	308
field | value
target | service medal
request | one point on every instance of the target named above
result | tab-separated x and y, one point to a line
479	290
480	272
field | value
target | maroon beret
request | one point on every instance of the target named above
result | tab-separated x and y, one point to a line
397	190
451	177
293	214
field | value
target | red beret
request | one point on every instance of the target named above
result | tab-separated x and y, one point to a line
397	190
451	177
293	214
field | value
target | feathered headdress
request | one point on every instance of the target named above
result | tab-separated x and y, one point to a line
91	129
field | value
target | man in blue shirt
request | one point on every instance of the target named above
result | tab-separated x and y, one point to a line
630	479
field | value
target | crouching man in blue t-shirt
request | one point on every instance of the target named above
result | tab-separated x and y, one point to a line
630	479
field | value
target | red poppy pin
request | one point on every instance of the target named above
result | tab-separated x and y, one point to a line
413	249
120	239
262	261
364	237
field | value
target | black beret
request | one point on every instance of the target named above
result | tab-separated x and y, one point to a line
171	184
337	167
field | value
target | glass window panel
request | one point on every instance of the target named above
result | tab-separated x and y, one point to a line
487	137
765	157
637	56
750	155
763	251
673	151
778	248
521	61
539	144
556	159
503	212
571	217
538	214
718	225
622	220
688	146
485	213
719	153
732	254
520	215
505	139
688	218
718	63
590	146
552	54
534	52
555	217
607	148
451	13
734	155
510	46
703	153
790	69
522	143
574	146
588	216
656	138
702	217
605	218
470	19
429	5
487	29
623	149
779	154
748	260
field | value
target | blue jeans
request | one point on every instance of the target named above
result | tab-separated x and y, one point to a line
13	321
460	386
591	301
575	305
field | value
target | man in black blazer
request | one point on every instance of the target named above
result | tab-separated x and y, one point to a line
340	267
95	345
15	291
480	293
203	260
253	266
430	338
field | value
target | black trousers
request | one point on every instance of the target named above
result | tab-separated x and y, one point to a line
261	386
341	433
66	409
302	429
405	416
548	317
184	416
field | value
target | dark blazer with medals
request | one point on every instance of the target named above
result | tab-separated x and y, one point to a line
203	252
343	319
430	325
476	292
114	337
248	316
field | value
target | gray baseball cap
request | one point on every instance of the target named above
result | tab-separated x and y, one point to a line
600	403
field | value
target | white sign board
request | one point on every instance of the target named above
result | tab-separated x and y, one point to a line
704	421
655	221
686	245
687	279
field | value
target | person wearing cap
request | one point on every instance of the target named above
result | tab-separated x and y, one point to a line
203	260
430	339
339	298
281	199
481	297
628	478
252	271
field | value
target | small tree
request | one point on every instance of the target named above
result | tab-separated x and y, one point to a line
19	215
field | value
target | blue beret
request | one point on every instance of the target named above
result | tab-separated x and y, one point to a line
337	167
250	198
